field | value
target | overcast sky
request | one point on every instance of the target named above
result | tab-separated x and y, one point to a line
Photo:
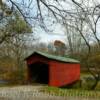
57	31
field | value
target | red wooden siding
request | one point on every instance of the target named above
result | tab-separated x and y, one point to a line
61	74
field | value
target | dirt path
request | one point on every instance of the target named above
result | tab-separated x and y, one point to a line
25	93
31	93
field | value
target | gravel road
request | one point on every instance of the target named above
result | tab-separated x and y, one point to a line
25	93
31	93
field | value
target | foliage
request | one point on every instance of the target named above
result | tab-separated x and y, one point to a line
9	70
18	25
94	60
12	46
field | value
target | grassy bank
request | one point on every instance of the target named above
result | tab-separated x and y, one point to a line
71	92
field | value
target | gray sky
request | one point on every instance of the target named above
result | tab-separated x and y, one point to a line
57	31
56	34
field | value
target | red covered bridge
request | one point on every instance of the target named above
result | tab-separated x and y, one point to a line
52	70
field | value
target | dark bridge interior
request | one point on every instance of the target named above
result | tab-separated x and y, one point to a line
39	72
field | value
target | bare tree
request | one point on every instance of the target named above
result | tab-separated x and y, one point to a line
90	17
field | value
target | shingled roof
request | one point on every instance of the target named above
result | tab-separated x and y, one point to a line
54	57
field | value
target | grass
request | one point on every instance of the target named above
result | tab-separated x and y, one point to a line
71	92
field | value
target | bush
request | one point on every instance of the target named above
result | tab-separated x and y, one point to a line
87	82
